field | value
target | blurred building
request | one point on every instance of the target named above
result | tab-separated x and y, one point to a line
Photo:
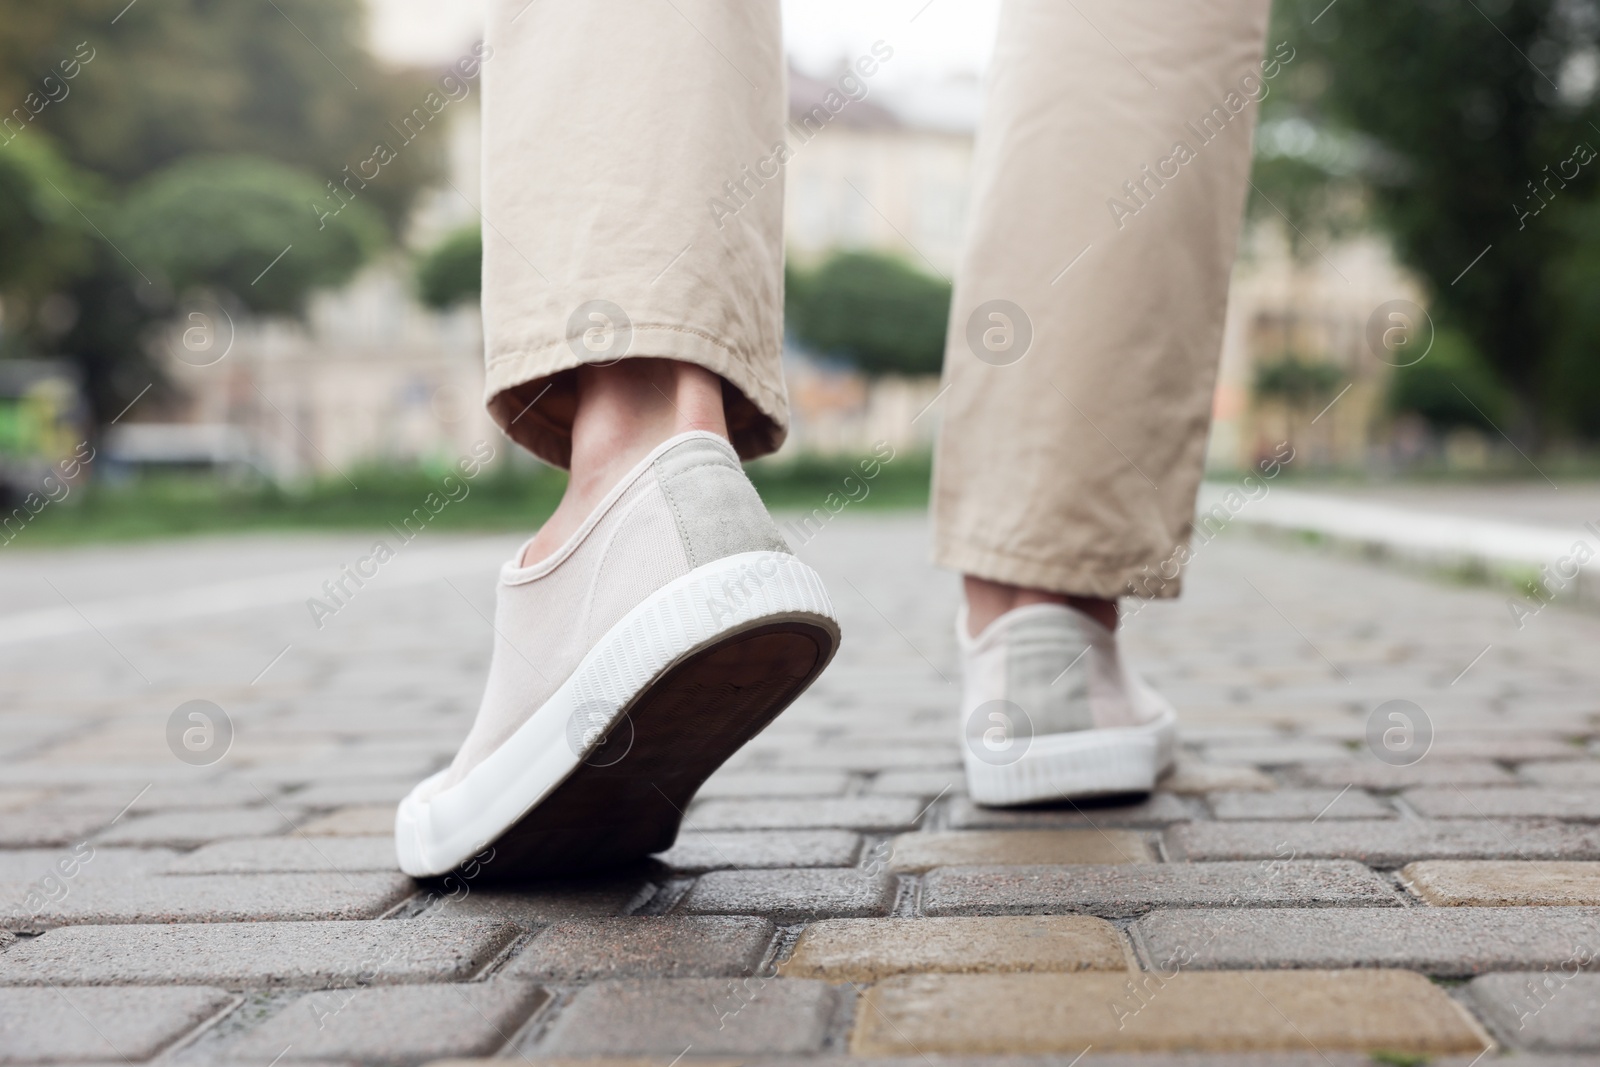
889	171
371	377
1312	310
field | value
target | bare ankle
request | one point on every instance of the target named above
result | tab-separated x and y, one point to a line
628	408
987	601
624	411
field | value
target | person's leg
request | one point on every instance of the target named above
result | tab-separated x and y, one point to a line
987	601
633	206
1110	176
1085	329
596	189
622	412
633	281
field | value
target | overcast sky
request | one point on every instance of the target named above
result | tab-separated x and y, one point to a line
930	37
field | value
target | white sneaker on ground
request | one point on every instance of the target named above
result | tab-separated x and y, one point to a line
1051	711
668	631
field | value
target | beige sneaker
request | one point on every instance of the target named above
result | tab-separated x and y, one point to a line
1051	711
668	631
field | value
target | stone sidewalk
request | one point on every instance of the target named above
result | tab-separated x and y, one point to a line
1384	834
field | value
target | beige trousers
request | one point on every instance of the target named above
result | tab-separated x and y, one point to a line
1088	307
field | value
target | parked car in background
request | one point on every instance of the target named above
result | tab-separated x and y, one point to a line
43	421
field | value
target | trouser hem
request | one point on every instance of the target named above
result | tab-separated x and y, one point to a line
1103	579
530	392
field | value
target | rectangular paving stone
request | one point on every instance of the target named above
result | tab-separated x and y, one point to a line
664	1017
1277	752
1507	748
1094	1059
288	854
1381	842
792	896
391	1024
1067	1013
15	799
361	820
774	784
165	796
338	765
67	863
1246	726
258	955
189	828
709	850
920	852
1526	802
678	946
84	777
36	828
89	1024
359	792
1552	1011
1131	889
1319	804
1504	883
221	898
540	903
864	758
867	950
1192	777
847	813
1449	942
924	784
1370	774
1566	772
1160	809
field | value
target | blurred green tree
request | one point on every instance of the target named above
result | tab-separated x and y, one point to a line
1573	284
43	239
1451	387
452	271
101	98
1296	380
100	320
289	80
67	289
1480	125
240	223
874	311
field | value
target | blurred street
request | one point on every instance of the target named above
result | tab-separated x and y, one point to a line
189	897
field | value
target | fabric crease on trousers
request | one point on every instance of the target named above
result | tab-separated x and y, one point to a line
1086	323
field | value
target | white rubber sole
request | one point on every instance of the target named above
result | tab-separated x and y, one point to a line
1078	765
439	831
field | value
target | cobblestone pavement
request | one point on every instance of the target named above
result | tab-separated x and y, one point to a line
1286	897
